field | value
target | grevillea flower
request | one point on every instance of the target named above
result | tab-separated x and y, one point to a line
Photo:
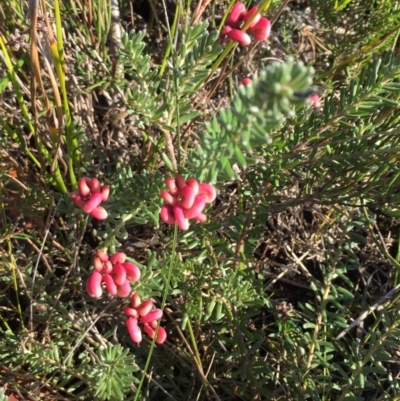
134	329
228	34
239	36
314	98
89	195
236	15
145	314
115	272
161	334
223	35
254	15
238	18
185	200
93	285
262	29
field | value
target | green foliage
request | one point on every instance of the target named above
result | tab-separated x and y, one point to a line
112	377
355	134
255	112
358	30
358	367
142	94
148	97
139	195
197	51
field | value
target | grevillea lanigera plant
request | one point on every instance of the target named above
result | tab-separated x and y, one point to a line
184	200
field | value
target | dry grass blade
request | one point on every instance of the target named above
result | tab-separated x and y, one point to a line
35	64
370	310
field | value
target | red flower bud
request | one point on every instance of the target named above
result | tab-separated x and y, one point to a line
187	197
223	35
77	199
105	192
132	271
161	335
153	315
192	183
99	213
253	11
110	284
180	181
183	222
171	184
198	207
208	191
314	98
135	300
134	330
246	81
239	36
92	203
83	186
98	264
119	274
93	285
94	185
144	308
149	330
102	255
130	312
201	217
107	266
167	214
118	257
262	29
170	199
236	15
124	290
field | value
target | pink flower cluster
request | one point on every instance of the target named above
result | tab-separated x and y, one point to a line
143	312
185	200
89	195
260	27
114	272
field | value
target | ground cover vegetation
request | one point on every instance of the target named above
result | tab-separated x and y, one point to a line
199	200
